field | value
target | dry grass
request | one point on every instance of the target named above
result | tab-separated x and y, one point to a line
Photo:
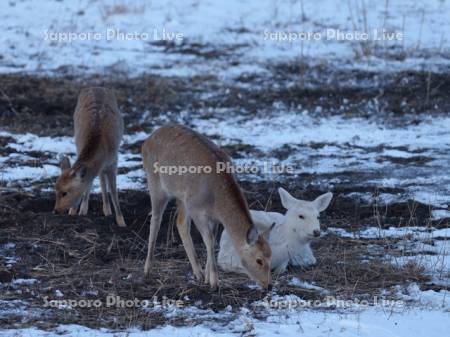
87	258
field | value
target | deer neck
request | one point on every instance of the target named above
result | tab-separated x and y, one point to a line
237	223
93	161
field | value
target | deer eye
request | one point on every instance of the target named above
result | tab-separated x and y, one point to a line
63	194
301	216
259	261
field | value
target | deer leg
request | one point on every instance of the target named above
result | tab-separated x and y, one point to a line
105	197
85	201
184	228
111	175
207	231
159	203
73	210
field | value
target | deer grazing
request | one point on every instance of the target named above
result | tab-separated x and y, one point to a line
205	195
98	132
291	237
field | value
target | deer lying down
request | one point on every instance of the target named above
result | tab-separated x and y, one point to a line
98	132
206	196
291	236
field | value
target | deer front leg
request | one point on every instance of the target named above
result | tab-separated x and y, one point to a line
111	174
304	256
105	197
85	201
206	229
158	205
184	227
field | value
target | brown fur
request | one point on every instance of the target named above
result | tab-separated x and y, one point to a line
207	198
98	132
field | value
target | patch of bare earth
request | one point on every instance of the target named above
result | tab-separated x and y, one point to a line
90	258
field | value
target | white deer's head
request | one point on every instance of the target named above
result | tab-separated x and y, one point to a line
302	217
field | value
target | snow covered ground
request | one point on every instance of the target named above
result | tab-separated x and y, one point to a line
348	145
413	158
429	319
21	169
428	248
233	36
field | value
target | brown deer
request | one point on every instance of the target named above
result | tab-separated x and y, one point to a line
204	194
98	132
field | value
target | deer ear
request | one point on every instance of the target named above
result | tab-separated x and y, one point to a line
79	172
287	200
64	164
266	233
321	203
252	235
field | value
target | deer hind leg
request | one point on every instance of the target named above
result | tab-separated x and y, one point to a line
184	229
105	197
207	230
111	175
85	201
159	203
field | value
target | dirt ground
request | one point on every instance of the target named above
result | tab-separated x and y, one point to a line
90	257
44	105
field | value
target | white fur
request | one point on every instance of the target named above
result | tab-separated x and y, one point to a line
290	238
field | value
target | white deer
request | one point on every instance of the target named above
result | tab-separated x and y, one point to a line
291	235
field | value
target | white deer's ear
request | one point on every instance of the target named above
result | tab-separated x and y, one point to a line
321	203
64	163
287	200
266	233
252	235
